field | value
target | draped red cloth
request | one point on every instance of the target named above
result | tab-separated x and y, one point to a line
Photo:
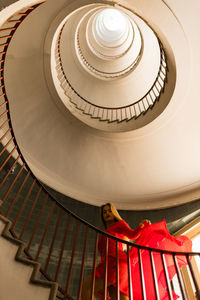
121	230
155	236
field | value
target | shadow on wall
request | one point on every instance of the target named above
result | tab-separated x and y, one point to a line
5	3
176	217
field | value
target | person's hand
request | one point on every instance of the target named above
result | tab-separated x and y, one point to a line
145	222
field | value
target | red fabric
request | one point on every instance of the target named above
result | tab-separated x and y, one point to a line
121	230
157	236
154	236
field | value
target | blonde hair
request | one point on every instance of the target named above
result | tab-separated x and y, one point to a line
114	211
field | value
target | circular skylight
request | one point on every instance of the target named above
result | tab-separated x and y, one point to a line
111	27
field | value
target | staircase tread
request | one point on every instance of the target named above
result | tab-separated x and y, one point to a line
19	257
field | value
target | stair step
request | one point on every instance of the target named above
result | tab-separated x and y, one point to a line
20	277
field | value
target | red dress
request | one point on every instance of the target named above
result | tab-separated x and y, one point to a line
121	230
155	236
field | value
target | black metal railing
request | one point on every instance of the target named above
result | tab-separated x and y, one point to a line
65	245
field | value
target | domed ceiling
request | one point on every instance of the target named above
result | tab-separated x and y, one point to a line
104	99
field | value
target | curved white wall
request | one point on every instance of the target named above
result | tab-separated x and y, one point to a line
152	167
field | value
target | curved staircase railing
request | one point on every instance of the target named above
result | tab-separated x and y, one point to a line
65	245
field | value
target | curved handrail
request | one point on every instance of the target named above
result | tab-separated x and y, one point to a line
131	111
32	209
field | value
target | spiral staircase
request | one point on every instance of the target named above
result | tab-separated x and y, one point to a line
119	91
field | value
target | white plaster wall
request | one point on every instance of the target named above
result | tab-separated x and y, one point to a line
152	167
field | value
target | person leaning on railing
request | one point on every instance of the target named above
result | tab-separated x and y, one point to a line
151	235
115	226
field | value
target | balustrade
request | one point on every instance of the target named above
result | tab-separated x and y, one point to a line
64	244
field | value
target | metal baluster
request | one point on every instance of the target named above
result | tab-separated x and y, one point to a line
30	212
5	36
2	115
117	272
22	14
5	102
10	170
23	204
141	274
7	159
45	230
62	248
105	270
72	259
6	146
169	289
37	222
154	276
12	184
53	239
2	53
4	124
14	21
18	193
5	134
7	29
129	274
94	267
82	266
